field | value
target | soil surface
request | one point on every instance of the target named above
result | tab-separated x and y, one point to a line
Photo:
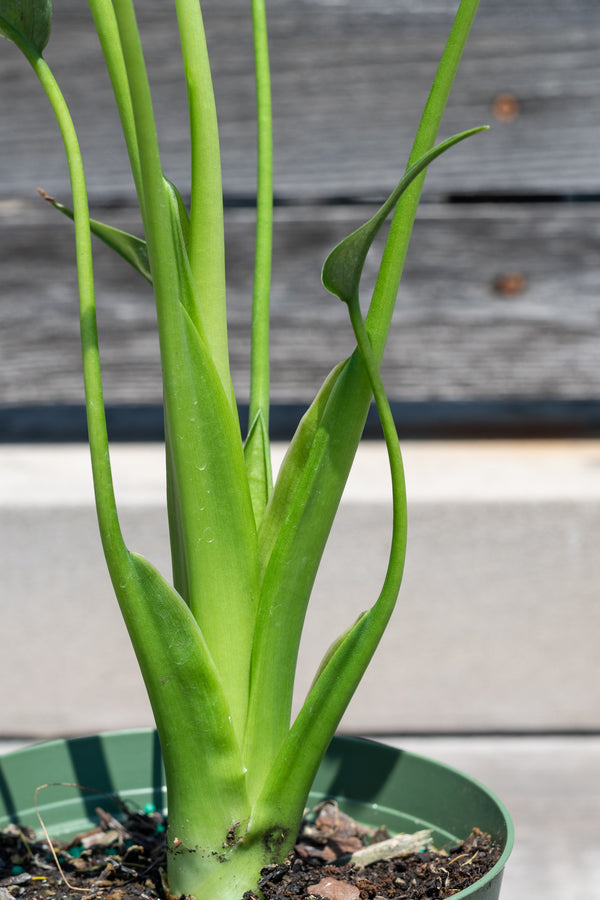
123	860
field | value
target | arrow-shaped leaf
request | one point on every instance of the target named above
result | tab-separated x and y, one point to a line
131	248
343	267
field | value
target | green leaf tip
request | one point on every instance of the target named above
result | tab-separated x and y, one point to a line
29	20
343	267
132	249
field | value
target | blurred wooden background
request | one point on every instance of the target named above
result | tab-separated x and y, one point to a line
497	328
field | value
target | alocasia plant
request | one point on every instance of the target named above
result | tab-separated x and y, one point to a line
218	647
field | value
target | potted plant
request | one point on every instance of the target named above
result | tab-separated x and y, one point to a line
217	647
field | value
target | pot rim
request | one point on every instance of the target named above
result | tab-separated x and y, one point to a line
358	744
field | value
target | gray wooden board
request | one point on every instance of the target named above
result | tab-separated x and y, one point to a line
350	79
498	300
456	335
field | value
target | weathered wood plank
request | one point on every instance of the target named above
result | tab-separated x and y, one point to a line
350	80
498	301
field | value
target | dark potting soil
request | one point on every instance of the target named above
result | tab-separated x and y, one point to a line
123	860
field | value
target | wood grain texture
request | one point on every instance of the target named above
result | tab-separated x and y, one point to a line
500	300
497	301
350	80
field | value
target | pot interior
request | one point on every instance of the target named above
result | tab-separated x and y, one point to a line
65	781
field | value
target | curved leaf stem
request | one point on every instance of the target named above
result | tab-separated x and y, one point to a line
392	263
110	530
395	567
296	764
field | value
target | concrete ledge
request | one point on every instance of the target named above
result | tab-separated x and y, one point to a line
496	627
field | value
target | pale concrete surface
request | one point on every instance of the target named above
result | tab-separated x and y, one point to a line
496	628
500	471
551	788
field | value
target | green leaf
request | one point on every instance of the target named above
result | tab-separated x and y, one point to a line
211	521
297	462
292	537
184	219
28	19
343	267
333	649
257	457
205	769
347	659
130	248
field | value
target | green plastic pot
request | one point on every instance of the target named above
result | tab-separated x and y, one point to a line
372	782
